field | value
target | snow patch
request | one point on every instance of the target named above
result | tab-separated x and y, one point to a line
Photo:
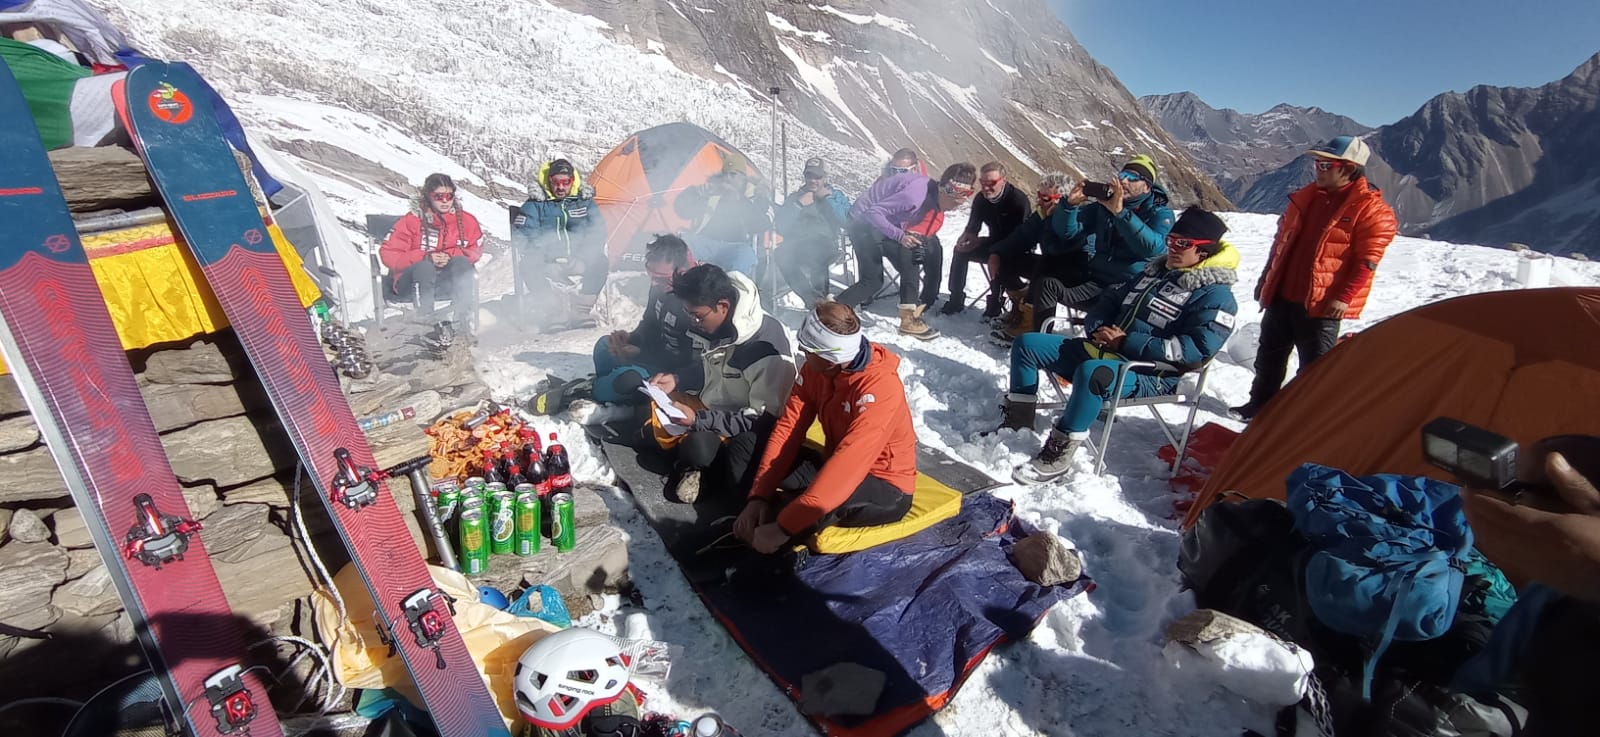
782	25
1004	66
821	81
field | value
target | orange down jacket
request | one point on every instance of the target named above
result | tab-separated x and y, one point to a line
1354	238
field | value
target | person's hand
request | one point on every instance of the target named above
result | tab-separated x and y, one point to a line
1076	197
618	345
757	512
966	242
768	538
665	382
439	258
1552	537
1114	205
910	240
1109	337
1337	309
808	198
687	420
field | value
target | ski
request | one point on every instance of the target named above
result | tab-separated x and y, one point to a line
61	346
194	169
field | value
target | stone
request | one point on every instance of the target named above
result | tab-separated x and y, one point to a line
174	406
5	525
202	500
30	475
230	530
202	362
80	562
28	573
11	402
102	178
93	594
396	443
379	399
259	582
26	526
842	689
1046	560
1205	625
275	491
17	433
71	531
228	452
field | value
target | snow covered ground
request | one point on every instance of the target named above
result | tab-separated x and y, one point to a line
1094	665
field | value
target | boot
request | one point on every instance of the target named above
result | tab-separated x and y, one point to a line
1018	297
991	307
911	323
1054	459
580	312
1019	411
1017	328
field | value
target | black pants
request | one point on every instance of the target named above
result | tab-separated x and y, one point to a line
729	466
535	270
454	281
1013	267
1286	327
804	265
871	251
1059	280
874	502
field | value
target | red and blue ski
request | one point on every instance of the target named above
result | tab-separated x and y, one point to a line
196	173
60	344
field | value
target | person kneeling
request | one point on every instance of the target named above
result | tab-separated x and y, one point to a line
1179	313
866	473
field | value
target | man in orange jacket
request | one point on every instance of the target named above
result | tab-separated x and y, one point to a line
434	249
1329	242
867	471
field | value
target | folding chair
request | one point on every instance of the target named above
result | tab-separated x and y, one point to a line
378	229
987	281
1180	396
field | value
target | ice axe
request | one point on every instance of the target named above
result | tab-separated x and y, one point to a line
416	471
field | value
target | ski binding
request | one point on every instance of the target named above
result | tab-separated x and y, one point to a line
159	538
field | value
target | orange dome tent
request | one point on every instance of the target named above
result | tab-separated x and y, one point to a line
1524	364
637	183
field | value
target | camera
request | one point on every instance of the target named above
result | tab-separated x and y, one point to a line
1097	190
1477	457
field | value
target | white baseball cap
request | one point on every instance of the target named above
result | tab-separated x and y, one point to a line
1344	148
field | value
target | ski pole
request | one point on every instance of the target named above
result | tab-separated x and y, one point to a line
416	471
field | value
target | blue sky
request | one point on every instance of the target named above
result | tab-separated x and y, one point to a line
1374	60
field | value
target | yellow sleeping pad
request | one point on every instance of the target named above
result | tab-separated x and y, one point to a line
932	503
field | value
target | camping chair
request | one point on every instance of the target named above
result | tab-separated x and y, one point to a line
378	229
987	281
1179	437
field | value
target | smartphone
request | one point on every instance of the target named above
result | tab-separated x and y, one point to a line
1477	457
1097	190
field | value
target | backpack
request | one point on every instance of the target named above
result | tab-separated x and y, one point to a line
1388	554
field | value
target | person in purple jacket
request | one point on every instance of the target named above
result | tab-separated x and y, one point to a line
898	219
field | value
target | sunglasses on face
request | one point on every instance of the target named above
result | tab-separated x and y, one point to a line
1180	243
1048	198
891	169
1128	176
992	183
561	182
956	189
1325	165
442	196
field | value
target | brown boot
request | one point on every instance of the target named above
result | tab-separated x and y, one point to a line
1019	298
911	323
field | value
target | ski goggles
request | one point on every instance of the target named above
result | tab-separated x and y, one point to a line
891	169
1180	243
994	183
956	189
1128	176
443	197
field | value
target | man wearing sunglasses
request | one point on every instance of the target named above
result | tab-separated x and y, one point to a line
558	233
903	161
1125	231
1319	272
1059	263
898	219
1178	312
434	249
810	221
727	215
1002	207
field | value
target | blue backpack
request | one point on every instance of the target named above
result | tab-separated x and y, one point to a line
1389	554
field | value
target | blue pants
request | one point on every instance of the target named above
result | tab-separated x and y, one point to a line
609	368
1093	371
737	256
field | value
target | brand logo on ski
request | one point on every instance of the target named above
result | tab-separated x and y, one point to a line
222	194
299	372
354	486
231	704
14	191
170	105
157	538
104	416
57	243
253	236
427	625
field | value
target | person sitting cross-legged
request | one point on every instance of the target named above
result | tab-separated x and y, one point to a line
866	474
1179	312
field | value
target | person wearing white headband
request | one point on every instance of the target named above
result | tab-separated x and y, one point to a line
867	470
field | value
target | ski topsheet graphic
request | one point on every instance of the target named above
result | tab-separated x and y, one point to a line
61	346
206	193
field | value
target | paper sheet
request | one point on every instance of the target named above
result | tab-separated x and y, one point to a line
664	409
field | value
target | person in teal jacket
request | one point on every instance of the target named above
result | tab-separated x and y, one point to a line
559	233
810	221
1125	232
1179	312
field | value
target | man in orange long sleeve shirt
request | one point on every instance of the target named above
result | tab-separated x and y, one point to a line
866	473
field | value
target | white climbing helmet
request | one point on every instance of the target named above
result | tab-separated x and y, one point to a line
567	673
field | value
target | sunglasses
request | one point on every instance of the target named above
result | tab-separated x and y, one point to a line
561	181
992	183
891	169
1326	165
442	196
1180	243
1128	176
956	189
1048	198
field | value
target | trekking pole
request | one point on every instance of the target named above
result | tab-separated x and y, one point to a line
416	471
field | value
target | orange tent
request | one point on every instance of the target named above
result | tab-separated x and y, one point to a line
637	183
1524	364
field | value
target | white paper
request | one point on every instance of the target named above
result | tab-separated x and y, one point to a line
666	412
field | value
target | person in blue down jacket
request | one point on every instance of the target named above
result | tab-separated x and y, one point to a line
559	233
1178	313
1060	259
810	221
1124	231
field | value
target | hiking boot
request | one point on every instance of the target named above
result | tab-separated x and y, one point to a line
954	306
911	323
1016	328
1054	459
590	412
1244	412
991	307
1019	411
686	488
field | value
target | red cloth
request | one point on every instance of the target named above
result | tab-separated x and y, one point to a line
1349	242
403	247
868	428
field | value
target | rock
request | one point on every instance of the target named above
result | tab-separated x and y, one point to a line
228	452
17	433
261	580
11	402
118	630
30	475
1046	560
392	444
202	500
1205	625
275	491
230	530
5	525
92	595
379	399
173	406
80	562
102	178
201	363
71	531
28	573
27	527
841	689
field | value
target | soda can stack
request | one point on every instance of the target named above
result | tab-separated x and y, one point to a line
502	513
473	546
527	520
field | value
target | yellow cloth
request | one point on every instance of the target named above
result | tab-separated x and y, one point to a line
494	638
932	503
155	291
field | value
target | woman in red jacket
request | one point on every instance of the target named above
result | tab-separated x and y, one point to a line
434	248
866	473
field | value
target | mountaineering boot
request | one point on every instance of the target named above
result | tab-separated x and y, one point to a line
911	323
954	305
991	307
1054	459
590	412
1244	412
1019	411
1018	297
687	487
1022	325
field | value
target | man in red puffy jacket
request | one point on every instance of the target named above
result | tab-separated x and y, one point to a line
1329	242
434	248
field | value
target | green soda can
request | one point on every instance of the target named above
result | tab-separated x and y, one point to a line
446	498
474	543
527	514
475	483
502	522
563	526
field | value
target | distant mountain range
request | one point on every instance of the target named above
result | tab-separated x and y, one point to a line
1492	165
